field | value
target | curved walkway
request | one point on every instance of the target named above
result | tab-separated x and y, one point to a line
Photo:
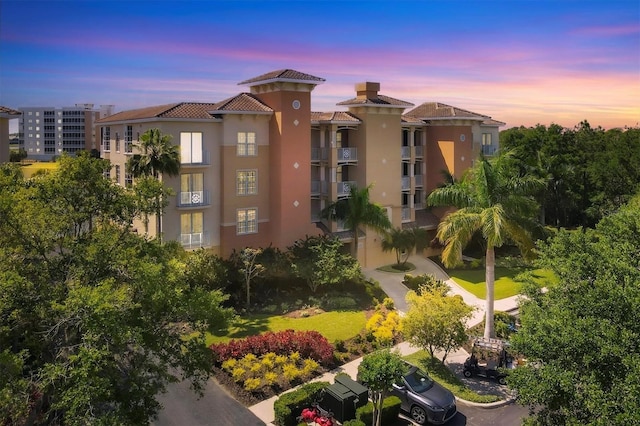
391	283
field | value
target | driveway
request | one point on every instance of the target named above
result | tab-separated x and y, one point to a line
183	408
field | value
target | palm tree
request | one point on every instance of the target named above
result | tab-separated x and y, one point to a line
494	203
157	157
355	211
404	241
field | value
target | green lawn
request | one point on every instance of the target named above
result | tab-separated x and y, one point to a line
443	375
473	280
333	325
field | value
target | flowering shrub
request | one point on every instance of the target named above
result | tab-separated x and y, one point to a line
313	416
384	326
309	344
256	374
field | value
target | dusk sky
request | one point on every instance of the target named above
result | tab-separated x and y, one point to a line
521	62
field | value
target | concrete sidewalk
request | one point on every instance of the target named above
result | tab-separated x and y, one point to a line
391	283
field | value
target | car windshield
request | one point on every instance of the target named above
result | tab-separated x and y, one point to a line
418	380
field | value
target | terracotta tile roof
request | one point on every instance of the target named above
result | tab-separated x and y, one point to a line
334	116
434	110
8	111
177	110
283	75
244	102
379	100
492	122
411	120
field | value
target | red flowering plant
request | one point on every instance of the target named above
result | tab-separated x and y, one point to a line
313	416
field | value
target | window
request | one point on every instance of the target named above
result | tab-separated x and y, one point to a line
247	221
117	142
128	140
106	138
128	180
117	174
191	189
486	139
246	182
191	230
247	144
191	148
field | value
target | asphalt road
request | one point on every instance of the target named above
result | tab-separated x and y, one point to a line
218	408
215	408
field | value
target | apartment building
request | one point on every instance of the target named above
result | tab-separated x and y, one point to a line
6	114
258	168
46	132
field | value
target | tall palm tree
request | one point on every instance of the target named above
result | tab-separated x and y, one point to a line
157	157
356	211
497	205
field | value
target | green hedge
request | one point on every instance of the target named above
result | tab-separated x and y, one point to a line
390	411
354	422
289	406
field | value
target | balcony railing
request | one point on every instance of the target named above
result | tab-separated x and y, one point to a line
406	214
319	187
406	183
347	154
193	198
489	149
419	180
195	240
319	154
405	152
418	206
197	160
344	188
419	151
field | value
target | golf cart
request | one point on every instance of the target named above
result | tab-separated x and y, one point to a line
488	359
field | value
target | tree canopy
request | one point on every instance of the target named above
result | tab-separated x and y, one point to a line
379	371
358	210
581	336
589	172
90	313
493	203
435	321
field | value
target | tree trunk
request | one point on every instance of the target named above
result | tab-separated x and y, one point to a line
490	275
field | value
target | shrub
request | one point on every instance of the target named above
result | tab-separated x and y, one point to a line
425	282
289	405
390	411
354	422
252	384
310	344
340	303
388	303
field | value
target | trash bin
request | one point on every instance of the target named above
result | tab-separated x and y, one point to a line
344	397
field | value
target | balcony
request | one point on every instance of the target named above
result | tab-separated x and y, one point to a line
344	188
419	151
195	240
406	183
419	181
318	187
319	154
489	150
405	152
193	199
347	155
197	159
406	214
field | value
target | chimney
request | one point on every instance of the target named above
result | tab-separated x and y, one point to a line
367	90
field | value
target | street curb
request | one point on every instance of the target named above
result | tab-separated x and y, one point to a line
487	405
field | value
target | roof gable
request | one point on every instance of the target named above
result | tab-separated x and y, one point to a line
283	75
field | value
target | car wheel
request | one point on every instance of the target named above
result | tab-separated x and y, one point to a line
467	373
418	415
502	380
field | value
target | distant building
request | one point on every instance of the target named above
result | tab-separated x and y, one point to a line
6	114
46	132
258	168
